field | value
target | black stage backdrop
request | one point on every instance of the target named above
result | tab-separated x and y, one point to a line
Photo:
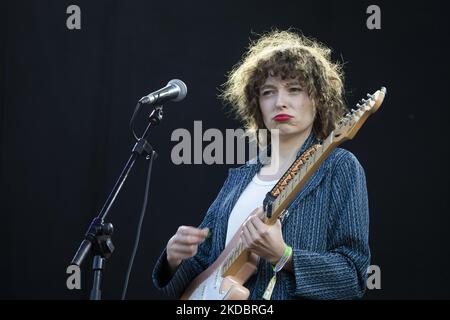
66	97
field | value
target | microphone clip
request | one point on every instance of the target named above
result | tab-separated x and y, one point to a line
156	115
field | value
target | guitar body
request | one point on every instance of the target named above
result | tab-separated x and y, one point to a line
213	284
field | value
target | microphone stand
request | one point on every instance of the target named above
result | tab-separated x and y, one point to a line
98	236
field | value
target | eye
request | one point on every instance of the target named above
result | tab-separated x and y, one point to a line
295	89
266	92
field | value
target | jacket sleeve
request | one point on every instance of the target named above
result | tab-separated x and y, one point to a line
341	271
189	268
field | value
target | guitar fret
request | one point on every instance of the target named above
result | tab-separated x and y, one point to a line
292	184
275	204
288	189
302	172
232	257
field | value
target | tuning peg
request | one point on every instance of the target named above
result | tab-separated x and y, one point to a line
371	96
359	105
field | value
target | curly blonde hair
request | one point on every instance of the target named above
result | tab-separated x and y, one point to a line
289	55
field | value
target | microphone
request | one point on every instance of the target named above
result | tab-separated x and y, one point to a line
175	90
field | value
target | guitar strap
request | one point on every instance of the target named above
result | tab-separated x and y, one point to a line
286	178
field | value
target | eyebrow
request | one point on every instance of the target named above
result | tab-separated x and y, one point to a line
291	83
295	82
266	86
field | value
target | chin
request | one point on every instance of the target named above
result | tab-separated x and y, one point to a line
290	132
287	133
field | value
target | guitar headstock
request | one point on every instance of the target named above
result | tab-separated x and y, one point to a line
350	124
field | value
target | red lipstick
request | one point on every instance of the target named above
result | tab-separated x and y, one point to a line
282	117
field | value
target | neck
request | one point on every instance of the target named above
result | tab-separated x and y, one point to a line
288	148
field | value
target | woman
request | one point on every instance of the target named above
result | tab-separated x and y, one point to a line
287	84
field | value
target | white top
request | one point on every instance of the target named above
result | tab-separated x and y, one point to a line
251	198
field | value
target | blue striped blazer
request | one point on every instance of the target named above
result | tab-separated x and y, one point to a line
327	227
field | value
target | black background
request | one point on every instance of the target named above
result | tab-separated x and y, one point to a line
66	97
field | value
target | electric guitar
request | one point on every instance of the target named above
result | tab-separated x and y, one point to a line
225	278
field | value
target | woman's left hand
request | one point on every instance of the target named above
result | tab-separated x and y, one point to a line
264	240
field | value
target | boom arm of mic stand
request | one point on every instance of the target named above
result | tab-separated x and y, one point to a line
82	251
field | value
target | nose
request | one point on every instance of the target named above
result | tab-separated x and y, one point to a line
281	102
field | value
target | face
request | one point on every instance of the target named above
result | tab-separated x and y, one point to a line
286	106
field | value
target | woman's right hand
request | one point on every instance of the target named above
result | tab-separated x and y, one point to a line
184	244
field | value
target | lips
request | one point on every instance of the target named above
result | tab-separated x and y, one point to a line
282	117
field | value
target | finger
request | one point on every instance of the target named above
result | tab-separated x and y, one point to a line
188	230
189	240
185	251
258	224
260	212
247	238
244	239
204	232
278	224
253	232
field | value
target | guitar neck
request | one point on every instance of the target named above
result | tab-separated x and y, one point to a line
299	176
290	184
